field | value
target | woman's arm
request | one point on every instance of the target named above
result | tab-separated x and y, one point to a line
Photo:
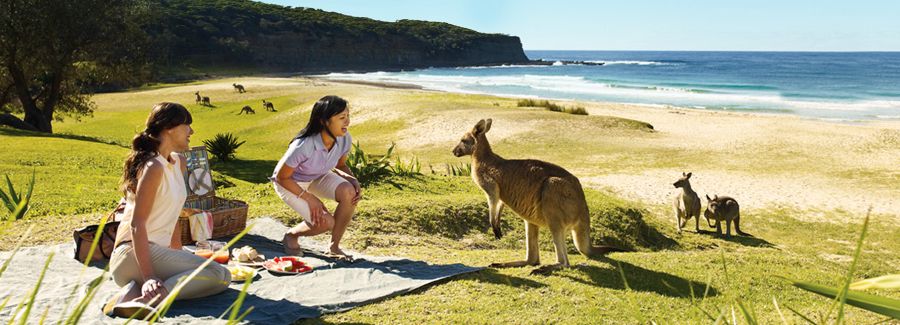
175	242
148	184
316	208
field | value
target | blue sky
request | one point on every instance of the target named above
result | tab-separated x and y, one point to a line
861	25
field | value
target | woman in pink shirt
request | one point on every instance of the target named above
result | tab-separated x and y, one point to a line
315	167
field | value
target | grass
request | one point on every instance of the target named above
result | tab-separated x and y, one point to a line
443	219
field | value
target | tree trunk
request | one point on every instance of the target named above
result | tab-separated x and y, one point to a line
33	115
13	121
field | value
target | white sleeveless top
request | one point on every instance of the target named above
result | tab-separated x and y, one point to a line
166	207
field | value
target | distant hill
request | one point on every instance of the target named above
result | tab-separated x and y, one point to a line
277	38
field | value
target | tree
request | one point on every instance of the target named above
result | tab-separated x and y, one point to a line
53	53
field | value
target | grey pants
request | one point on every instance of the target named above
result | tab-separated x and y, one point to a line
170	266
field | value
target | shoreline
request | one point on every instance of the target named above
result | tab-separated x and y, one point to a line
723	131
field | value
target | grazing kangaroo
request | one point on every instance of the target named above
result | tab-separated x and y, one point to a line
686	204
268	106
239	88
202	100
723	208
543	194
247	109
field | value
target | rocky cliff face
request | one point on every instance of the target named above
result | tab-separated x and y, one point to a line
275	38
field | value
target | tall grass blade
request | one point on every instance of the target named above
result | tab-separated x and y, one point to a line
891	281
37	287
881	305
167	302
748	316
807	319
778	309
16	249
232	319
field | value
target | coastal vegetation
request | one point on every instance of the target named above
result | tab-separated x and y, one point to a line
440	216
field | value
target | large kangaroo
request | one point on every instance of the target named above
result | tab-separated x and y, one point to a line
686	204
723	208
541	193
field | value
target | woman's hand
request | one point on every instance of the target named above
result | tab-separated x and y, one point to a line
317	209
358	189
154	288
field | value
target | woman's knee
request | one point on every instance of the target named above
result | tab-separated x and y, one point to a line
344	193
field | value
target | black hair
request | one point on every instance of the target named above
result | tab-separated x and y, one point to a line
145	145
323	110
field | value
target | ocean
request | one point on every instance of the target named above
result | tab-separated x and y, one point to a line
842	86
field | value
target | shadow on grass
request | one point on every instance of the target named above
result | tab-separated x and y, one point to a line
25	133
252	171
641	279
749	241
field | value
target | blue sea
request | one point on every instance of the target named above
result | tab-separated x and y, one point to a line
824	85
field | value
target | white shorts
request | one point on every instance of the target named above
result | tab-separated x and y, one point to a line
323	187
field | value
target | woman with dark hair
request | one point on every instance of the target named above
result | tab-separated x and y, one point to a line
148	261
315	167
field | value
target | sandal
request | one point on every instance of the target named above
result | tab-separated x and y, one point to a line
291	251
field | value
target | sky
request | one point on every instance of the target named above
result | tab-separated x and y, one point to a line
702	25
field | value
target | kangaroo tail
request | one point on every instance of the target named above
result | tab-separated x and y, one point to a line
737	227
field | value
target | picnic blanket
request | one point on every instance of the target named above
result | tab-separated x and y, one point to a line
333	286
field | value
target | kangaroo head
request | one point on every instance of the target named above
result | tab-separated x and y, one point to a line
683	181
469	141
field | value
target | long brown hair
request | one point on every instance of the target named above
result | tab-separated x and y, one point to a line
145	145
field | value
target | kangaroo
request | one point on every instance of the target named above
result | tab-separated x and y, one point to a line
239	88
247	109
723	208
202	100
268	106
543	194
686	204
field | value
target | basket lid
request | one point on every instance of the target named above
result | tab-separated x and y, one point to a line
198	179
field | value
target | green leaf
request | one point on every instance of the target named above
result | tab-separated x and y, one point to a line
891	281
7	201
12	191
877	304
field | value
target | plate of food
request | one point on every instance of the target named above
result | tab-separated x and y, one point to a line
241	273
247	256
286	265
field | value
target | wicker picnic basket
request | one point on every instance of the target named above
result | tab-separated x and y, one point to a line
229	216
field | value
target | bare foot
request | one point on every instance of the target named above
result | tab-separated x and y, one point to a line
337	253
291	244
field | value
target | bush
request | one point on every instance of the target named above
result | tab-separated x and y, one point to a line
223	146
462	169
17	204
411	169
369	171
551	106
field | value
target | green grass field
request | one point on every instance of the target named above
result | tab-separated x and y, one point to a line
672	278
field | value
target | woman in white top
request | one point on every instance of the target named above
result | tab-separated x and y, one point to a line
148	261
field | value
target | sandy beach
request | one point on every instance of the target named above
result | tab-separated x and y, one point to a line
827	165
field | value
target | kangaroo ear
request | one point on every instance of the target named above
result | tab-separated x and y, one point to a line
479	128
487	125
715	197
683	174
707	198
688	175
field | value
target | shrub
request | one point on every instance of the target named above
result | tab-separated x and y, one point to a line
462	169
367	169
551	106
411	169
223	146
17	204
